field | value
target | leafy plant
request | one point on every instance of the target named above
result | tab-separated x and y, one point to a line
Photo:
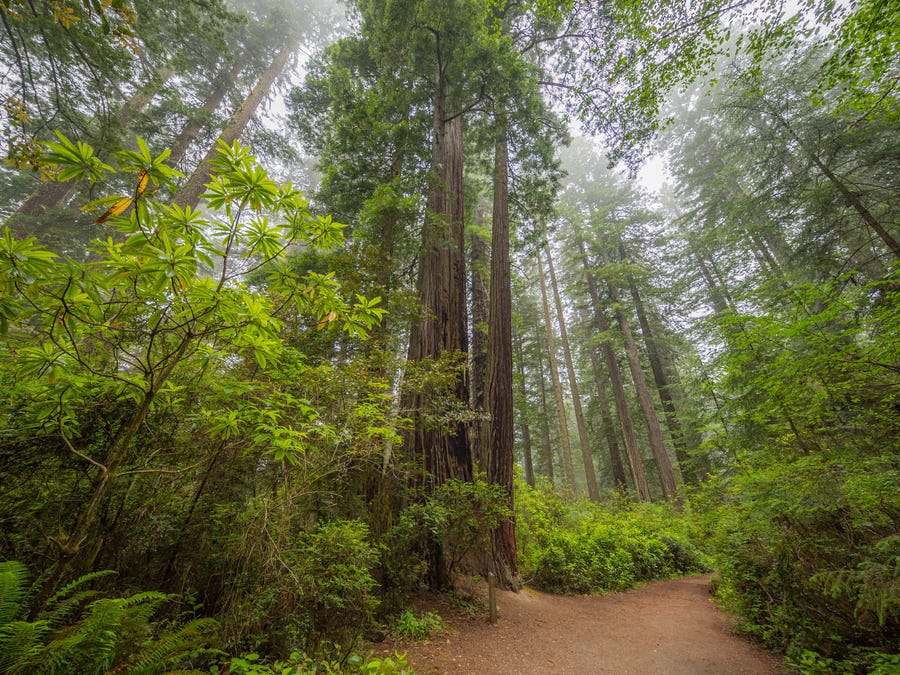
414	627
80	633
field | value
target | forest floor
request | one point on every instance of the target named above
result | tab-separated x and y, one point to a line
667	628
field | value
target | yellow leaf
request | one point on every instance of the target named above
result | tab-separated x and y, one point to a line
116	209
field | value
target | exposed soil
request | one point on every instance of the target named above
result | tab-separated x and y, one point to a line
668	627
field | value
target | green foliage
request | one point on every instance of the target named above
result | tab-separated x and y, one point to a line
330	662
457	516
805	531
583	547
412	627
80	635
297	588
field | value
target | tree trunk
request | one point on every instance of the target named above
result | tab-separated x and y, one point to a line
661	378
527	457
191	130
479	348
620	481
546	443
590	475
663	463
190	192
443	453
615	377
557	387
499	432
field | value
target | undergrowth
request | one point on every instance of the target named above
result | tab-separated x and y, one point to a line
584	547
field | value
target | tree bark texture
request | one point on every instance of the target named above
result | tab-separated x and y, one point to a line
478	353
501	435
546	443
443	453
620	480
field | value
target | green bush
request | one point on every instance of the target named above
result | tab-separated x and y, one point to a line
291	590
580	547
809	557
414	627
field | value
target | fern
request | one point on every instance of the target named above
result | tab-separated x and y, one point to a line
80	634
13	577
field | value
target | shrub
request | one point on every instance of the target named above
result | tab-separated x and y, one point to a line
581	547
414	627
808	556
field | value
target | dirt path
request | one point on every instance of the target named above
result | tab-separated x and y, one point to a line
666	628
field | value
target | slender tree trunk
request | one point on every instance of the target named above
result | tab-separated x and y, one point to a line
661	379
663	463
615	377
500	431
546	443
590	475
620	481
527	456
565	447
190	192
192	129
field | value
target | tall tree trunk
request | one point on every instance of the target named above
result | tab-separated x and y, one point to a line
191	130
590	475
661	378
190	192
564	445
500	432
546	443
620	481
527	456
478	352
657	445
615	377
442	453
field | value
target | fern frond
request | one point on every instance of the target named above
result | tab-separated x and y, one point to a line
20	642
13	580
174	646
72	585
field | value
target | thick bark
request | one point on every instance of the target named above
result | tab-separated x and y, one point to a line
499	402
444	452
527	454
657	445
478	352
190	192
590	474
564	444
615	377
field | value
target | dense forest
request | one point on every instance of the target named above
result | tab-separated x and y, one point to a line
306	308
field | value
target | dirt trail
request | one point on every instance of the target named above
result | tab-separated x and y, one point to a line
667	628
